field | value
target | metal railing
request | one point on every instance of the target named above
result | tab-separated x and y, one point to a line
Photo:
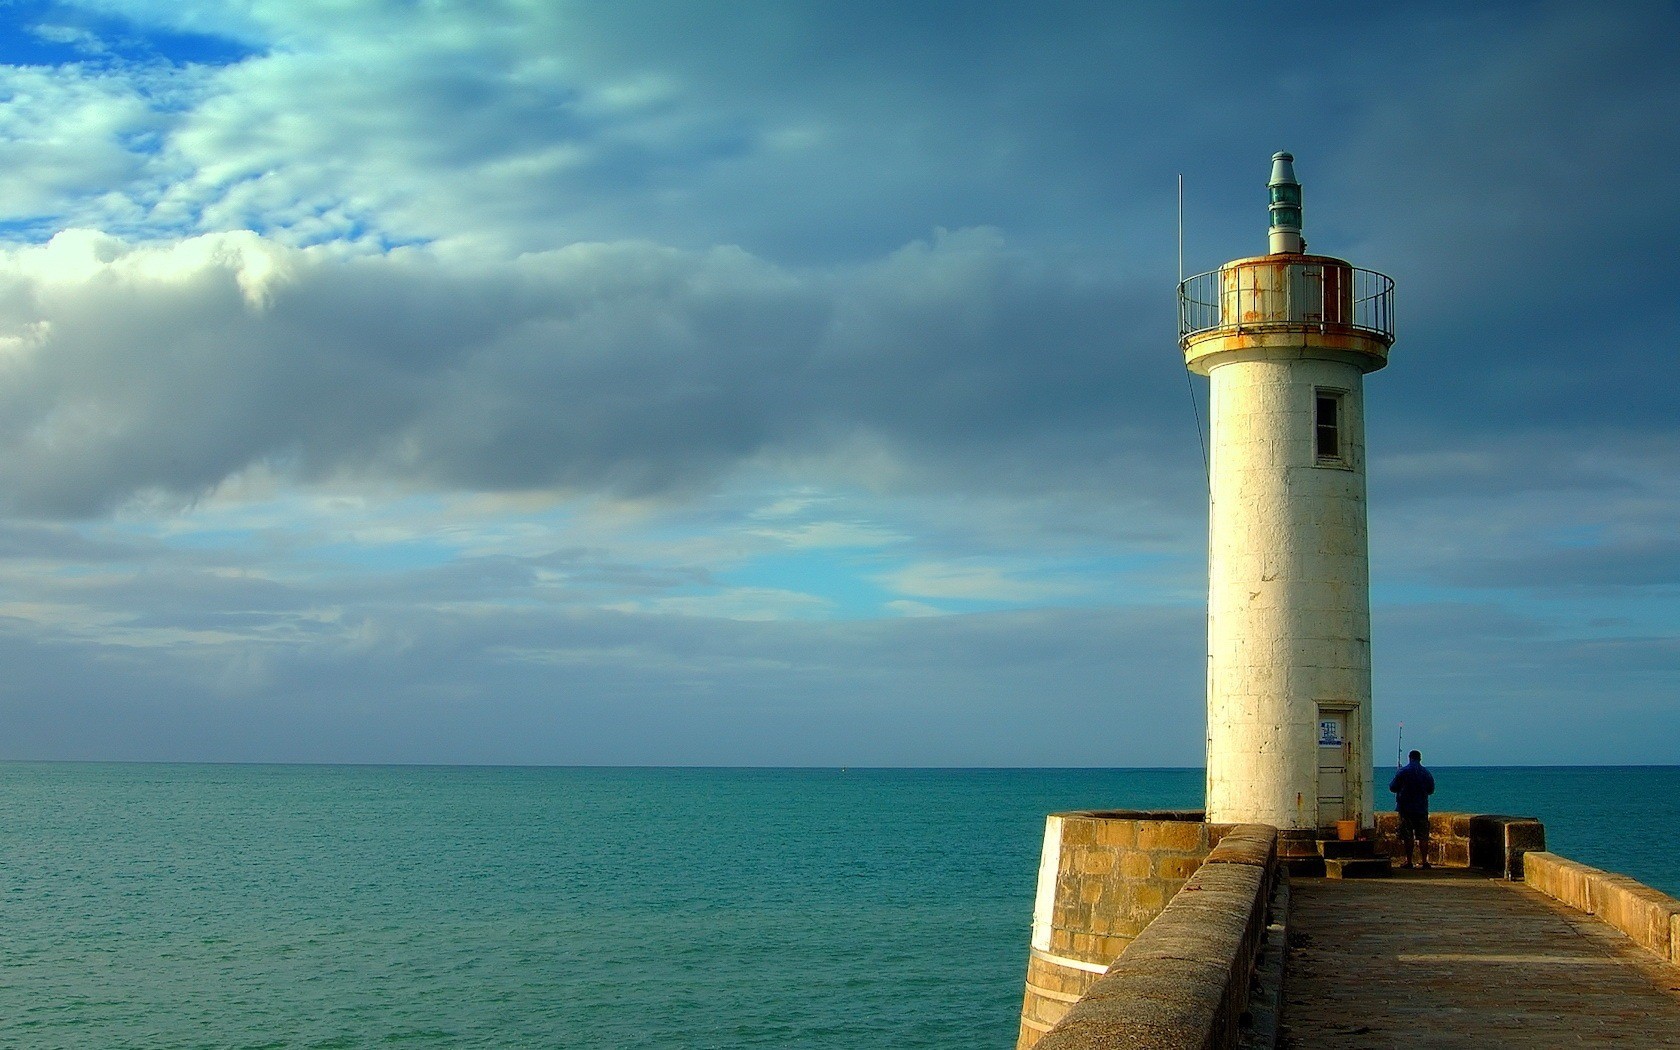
1306	296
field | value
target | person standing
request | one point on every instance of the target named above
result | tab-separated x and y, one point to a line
1412	786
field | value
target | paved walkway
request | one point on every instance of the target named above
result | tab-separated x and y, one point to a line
1455	959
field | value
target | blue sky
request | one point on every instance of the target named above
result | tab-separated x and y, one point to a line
796	383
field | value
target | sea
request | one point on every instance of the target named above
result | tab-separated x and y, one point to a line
366	906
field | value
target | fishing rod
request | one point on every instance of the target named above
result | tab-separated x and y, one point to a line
1400	746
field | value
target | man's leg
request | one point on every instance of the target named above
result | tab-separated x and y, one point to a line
1405	842
1423	841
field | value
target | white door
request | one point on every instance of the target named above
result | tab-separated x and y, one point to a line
1332	767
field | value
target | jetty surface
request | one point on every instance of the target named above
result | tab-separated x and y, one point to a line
1452	958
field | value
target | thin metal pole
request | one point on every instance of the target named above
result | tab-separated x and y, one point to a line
1195	409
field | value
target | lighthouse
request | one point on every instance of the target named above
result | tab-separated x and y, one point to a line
1286	340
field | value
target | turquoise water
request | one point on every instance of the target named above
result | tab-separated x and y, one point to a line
308	906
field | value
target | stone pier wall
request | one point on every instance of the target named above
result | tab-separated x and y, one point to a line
1103	877
1183	983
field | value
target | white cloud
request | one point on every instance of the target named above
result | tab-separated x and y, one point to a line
70	137
978	582
831	535
735	603
904	607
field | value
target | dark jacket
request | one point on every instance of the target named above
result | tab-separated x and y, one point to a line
1412	786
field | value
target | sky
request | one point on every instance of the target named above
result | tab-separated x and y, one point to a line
793	382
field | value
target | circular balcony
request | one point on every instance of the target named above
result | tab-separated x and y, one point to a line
1287	293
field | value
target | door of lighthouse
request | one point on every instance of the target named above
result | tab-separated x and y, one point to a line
1332	766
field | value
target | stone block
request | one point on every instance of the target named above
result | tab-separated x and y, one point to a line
1094	862
1525	833
1135	865
1116	833
1169	1004
1245	844
1357	867
1233	878
1648	917
1498	843
1295	844
1644	914
1386	831
1106	905
1045	1011
1149	897
1109	946
1058	979
1067	889
1102	1033
1543	873
1328	848
1487	843
1562	879
1078	831
1180	835
1164	984
1177	868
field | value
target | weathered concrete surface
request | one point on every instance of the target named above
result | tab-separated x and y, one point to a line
1455	959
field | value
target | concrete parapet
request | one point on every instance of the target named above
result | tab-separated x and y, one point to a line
1499	843
1644	914
1254	844
1562	879
1490	841
1183	981
1449	838
1649	917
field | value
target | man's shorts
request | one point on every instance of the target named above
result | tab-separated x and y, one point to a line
1414	825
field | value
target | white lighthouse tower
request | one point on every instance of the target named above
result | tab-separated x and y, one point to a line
1285	340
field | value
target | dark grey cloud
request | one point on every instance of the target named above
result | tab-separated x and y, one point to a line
1523	198
627	368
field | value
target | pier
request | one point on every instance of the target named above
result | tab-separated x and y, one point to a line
1161	930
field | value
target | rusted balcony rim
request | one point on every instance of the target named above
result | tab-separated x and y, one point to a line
1370	308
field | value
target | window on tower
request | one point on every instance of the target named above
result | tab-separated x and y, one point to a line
1327	426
